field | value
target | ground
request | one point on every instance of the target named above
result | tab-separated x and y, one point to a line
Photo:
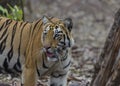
92	21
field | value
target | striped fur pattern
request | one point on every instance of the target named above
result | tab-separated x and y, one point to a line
36	49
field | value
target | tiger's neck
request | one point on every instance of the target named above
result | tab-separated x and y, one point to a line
35	45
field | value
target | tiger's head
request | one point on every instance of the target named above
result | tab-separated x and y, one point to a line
56	37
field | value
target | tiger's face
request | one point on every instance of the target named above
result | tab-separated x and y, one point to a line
56	37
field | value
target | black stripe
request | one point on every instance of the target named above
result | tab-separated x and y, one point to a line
6	67
37	69
60	32
17	66
56	35
5	64
38	72
20	39
64	58
69	41
36	32
64	37
67	65
10	54
21	23
3	33
7	22
35	25
32	31
63	43
44	65
3	45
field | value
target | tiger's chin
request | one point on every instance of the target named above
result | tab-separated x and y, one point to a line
52	59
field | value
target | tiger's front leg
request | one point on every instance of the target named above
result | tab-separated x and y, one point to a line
58	79
29	77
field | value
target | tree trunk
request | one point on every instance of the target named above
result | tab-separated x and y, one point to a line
107	69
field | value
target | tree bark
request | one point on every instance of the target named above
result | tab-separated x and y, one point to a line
107	69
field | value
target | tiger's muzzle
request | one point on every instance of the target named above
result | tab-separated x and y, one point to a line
51	53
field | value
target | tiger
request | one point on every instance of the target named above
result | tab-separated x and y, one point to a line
36	49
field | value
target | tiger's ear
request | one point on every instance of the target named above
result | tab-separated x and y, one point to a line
68	23
45	19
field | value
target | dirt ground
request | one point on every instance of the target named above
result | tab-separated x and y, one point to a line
92	21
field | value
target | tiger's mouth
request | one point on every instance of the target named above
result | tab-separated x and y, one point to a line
54	53
51	54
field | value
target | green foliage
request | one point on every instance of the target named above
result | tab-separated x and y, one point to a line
15	12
